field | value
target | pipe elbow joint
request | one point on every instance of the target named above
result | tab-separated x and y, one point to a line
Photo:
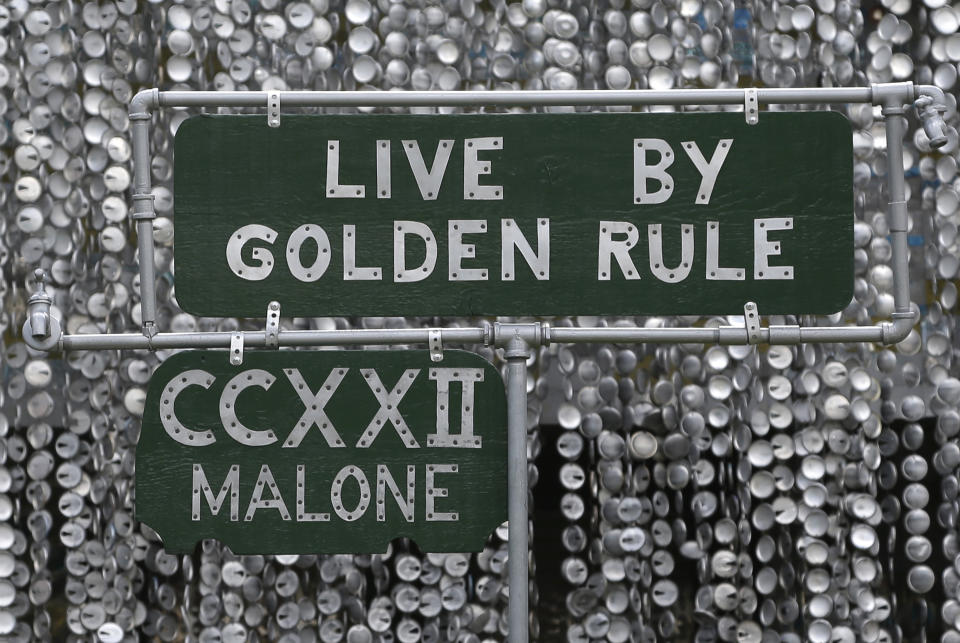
930	111
41	330
897	330
933	92
144	101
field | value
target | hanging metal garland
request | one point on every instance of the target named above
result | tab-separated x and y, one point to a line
723	492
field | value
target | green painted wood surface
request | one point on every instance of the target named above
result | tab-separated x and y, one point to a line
477	492
575	169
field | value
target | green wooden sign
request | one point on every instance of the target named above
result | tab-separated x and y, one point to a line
518	214
323	451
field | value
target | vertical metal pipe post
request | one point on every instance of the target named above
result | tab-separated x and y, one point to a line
518	615
897	217
144	214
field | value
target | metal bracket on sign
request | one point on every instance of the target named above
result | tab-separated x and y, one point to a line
751	105
435	344
273	325
751	318
236	349
273	109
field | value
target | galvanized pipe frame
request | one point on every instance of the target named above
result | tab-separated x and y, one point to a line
518	338
892	97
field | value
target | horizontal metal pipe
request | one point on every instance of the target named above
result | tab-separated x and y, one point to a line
639	335
130	341
724	335
823	95
257	339
841	334
368	337
810	95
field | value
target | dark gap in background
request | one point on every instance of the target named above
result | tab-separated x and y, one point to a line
917	615
548	526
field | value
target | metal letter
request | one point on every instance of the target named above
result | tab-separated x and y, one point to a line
314	404
228	407
473	168
511	237
434	492
168	415
383	169
231	483
714	271
400	231
619	249
763	248
235	246
458	250
319	266
334	189
466	438
708	171
336	493
389	408
642	172
350	270
385	479
265	480
302	515
655	241
428	182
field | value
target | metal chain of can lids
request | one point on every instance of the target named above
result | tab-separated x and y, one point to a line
729	493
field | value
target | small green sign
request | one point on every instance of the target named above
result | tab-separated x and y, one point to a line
516	214
323	451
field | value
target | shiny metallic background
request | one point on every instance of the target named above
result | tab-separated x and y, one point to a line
682	493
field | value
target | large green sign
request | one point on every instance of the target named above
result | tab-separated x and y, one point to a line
323	451
520	214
